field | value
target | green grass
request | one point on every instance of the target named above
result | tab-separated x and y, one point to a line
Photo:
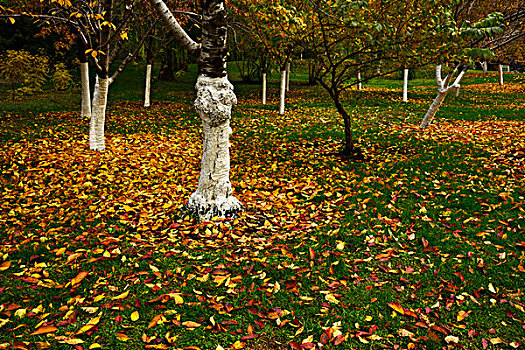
433	221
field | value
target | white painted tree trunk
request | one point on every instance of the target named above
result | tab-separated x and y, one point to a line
147	92
85	111
264	88
96	125
288	68
444	87
359	84
215	98
485	67
405	85
500	74
283	92
458	90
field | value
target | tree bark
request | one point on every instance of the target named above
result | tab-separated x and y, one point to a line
348	147
147	91
434	107
282	92
500	75
85	111
405	85
484	66
359	84
264	88
98	117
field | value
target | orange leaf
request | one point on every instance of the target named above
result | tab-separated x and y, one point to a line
79	278
191	324
44	330
397	307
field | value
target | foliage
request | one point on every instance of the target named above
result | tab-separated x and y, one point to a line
419	247
62	78
28	72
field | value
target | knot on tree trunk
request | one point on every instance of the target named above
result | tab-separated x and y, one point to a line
215	99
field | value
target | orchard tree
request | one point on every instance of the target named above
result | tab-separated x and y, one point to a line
101	29
214	102
351	38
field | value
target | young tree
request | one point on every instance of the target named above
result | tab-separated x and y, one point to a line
351	38
480	30
214	102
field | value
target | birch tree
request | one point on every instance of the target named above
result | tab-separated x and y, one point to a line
214	102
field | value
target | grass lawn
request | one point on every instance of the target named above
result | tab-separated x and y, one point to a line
421	246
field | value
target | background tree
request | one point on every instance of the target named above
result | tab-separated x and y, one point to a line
355	36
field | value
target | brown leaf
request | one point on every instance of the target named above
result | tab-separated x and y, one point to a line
396	306
79	278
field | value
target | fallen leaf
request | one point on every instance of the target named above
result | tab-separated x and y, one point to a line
44	330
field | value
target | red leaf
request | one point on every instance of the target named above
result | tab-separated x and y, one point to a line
485	343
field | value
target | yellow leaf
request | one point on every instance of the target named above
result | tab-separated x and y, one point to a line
462	315
122	337
135	316
5	265
492	289
121	296
60	251
106	254
238	345
95	346
368	318
12	20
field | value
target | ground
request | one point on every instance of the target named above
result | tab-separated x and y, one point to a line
420	246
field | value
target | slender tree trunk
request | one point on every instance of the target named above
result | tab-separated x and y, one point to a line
98	117
500	74
288	68
405	85
444	87
484	66
264	88
458	90
85	111
359	84
147	91
282	92
349	139
434	107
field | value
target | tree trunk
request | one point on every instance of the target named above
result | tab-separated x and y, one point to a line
96	125
215	99
444	87
147	91
85	111
264	88
348	147
431	113
359	84
500	74
405	85
288	68
484	66
283	92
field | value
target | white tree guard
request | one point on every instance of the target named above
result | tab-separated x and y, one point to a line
213	197
288	68
500	74
359	84
96	125
147	91
85	111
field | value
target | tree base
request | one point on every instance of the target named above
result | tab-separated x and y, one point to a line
221	208
352	153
